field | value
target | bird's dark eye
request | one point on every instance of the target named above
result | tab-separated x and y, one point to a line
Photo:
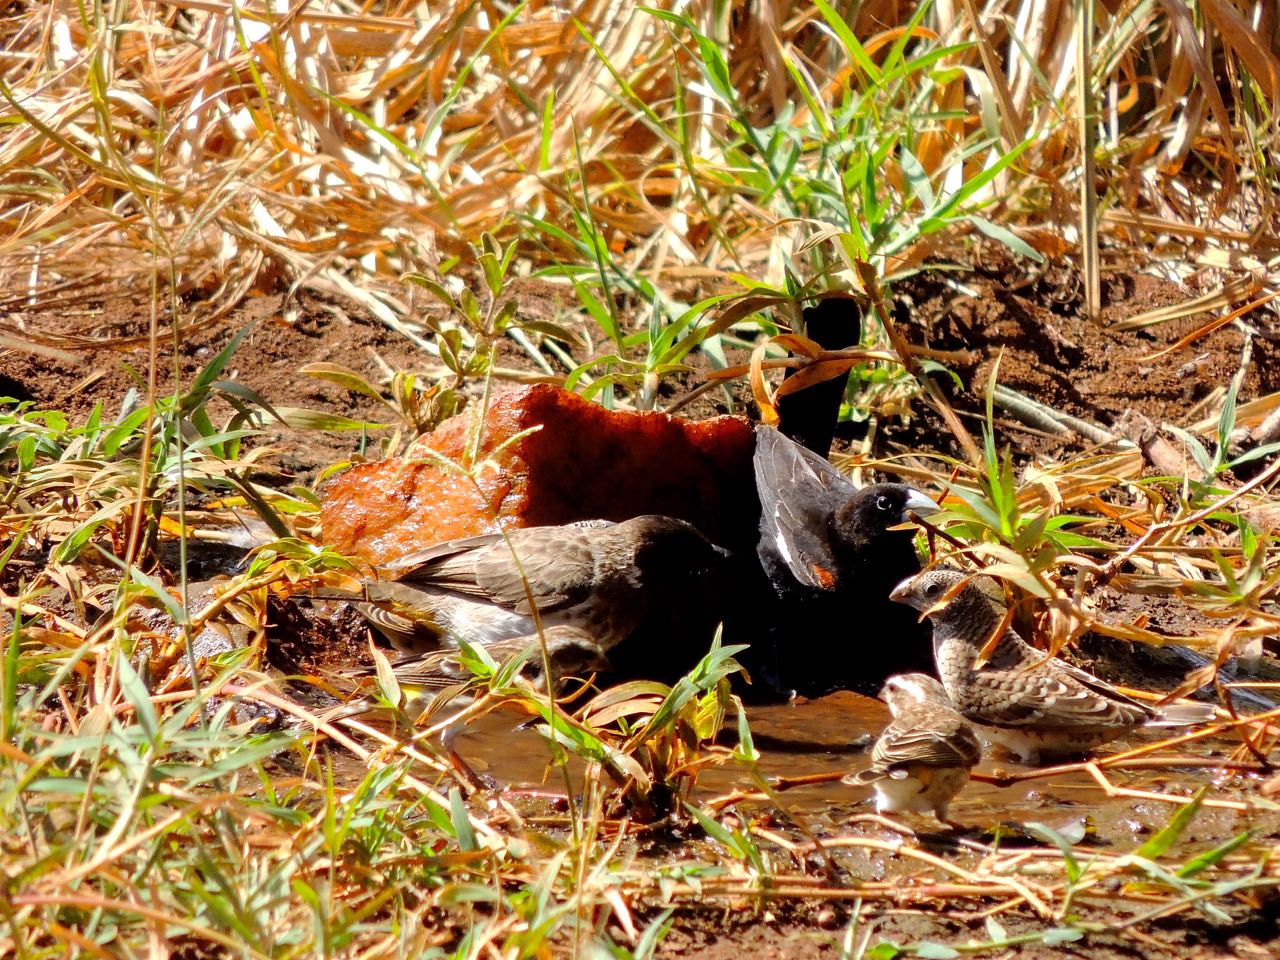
931	590
884	503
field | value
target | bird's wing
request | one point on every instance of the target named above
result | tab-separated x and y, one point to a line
423	560
1053	694
927	738
433	671
798	492
1100	687
437	671
394	610
559	564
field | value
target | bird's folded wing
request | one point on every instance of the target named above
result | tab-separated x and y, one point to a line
395	613
422	560
1049	698
429	671
400	612
1088	680
948	743
798	492
560	573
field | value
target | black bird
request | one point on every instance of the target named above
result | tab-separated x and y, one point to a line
601	578
809	416
832	555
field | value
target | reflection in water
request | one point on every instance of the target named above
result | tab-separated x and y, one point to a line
830	736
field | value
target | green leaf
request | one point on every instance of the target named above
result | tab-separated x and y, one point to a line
941	217
9	684
388	685
711	826
1255	454
432	287
1227	418
213	371
1209	858
1168	835
461	821
853	47
1006	237
136	692
547	130
302	419
1199	453
343	377
124	431
75	542
716	70
917	178
746	744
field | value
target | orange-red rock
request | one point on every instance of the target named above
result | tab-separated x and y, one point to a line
583	462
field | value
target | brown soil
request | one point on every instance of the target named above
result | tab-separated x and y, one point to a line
1033	324
1048	350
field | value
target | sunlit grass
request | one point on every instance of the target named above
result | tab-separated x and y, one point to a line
691	177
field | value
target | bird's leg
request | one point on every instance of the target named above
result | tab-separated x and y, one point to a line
472	781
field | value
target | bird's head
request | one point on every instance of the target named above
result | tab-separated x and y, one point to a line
907	689
672	554
946	595
876	509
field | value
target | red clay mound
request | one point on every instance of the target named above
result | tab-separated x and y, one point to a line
582	462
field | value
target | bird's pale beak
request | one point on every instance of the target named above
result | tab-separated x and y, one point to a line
902	592
918	504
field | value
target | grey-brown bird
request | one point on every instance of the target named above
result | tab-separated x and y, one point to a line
438	688
923	757
600	577
1034	706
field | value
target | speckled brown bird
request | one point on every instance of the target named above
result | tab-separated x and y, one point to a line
599	577
923	757
832	552
1033	706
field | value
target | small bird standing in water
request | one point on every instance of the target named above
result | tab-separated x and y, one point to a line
1032	705
433	683
832	554
599	577
924	756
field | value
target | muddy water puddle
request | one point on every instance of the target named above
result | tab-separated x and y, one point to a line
832	735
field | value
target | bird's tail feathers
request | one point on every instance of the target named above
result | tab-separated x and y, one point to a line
410	629
1183	714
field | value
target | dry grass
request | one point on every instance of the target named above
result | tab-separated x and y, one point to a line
335	147
200	151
